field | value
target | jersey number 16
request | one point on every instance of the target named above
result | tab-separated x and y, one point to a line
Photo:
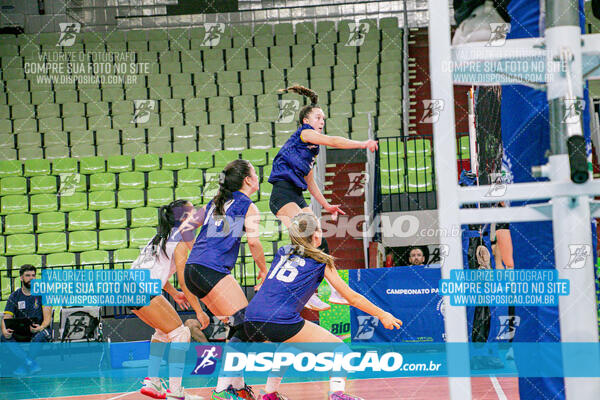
286	270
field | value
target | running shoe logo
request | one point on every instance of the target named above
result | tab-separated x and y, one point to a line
578	254
207	359
287	110
508	326
431	111
358	33
68	33
68	184
142	111
366	327
498	34
212	37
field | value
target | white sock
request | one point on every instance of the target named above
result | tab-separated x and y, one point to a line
174	384
223	383
238	382
337	384
273	383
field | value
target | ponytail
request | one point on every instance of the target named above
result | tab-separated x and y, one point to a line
303	91
169	216
302	228
230	180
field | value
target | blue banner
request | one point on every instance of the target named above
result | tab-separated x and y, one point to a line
302	360
410	293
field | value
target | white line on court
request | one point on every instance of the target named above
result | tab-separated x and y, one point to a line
497	388
121	395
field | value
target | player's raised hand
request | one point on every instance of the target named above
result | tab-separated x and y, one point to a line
389	321
371	145
334	210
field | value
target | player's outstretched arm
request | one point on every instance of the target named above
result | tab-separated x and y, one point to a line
313	188
312	136
359	301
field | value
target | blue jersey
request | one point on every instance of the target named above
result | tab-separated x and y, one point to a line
290	283
218	243
295	160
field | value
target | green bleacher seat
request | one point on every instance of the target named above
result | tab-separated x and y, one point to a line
266	172
190	193
50	222
419	164
189	177
222	158
108	150
119	163
13	204
10	168
30	153
30	139
159	196
101	200
265	190
18	261
13	185
144	216
37	167
419	182
160	147
200	159
83	151
82	220
56	152
131	180
43	203
418	147
131	198
51	242
77	201
20	244
103	181
391	163
112	218
256	157
392	183
60	259
125	255
174	161
83	241
182	146
98	257
18	223
160	179
112	239
134	149
184	133
140	237
392	147
464	149
92	165
146	162
133	135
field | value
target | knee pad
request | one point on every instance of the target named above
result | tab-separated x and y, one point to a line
180	338
236	323
160	336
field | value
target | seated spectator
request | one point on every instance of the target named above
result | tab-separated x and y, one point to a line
416	256
21	304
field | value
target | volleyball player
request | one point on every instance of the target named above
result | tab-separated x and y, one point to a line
293	170
296	272
214	254
163	255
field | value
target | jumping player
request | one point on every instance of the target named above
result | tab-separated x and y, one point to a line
208	271
293	169
296	272
163	255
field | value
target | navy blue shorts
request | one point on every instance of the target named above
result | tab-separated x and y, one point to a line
283	193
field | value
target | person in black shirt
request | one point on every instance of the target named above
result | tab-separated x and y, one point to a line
21	304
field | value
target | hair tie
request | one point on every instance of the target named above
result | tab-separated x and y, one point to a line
222	178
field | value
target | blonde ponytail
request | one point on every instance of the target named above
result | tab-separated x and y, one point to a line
302	228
